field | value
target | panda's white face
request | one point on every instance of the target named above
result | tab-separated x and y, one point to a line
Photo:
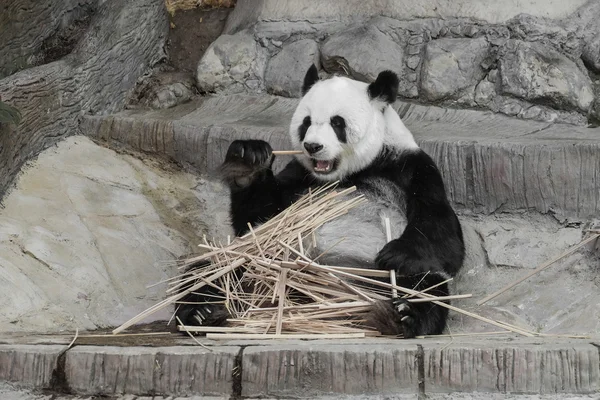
340	128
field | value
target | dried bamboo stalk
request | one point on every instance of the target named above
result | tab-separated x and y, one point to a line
538	269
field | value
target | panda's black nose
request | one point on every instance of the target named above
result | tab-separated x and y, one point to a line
312	148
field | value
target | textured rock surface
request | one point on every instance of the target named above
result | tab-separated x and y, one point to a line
35	32
361	52
163	90
29	366
441	50
87	230
248	12
122	41
351	369
281	76
232	63
451	66
540	74
529	368
323	369
140	370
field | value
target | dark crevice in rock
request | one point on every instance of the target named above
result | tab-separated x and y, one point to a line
65	38
236	375
59	382
420	360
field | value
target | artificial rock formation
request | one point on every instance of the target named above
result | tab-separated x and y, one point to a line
119	44
523	61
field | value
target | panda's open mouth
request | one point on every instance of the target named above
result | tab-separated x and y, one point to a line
324	166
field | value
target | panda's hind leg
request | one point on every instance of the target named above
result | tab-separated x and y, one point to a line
203	307
399	316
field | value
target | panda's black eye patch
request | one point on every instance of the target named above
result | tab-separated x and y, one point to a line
339	127
304	127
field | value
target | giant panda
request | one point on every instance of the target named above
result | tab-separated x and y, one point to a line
349	132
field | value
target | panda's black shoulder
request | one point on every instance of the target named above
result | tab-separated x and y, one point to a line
411	169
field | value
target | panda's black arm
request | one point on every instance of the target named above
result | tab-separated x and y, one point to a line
429	251
267	195
433	231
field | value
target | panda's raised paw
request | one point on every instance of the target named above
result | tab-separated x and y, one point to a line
395	317
244	160
251	153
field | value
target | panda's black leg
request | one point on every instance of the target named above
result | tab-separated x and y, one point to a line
203	307
399	316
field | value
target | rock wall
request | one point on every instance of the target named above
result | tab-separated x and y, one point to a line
511	58
91	71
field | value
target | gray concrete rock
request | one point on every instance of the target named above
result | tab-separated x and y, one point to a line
86	230
315	372
591	52
540	74
232	64
451	66
361	52
37	32
285	72
121	43
247	12
163	90
177	370
508	368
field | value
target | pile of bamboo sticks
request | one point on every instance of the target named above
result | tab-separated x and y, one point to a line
272	287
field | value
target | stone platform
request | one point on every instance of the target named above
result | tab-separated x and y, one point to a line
490	162
367	368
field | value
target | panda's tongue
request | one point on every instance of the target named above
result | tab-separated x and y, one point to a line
322	165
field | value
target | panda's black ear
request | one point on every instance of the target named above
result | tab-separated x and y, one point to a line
385	87
311	77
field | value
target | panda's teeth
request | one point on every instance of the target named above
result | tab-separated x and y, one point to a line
322	166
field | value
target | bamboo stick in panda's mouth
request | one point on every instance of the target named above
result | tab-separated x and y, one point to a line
286	152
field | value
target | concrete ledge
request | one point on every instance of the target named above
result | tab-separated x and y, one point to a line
312	369
512	368
28	365
490	162
176	371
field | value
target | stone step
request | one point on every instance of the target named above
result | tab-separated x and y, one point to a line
310	369
490	162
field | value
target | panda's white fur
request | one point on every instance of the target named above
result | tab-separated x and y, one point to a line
367	127
357	237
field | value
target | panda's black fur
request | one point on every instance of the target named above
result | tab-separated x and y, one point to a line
429	249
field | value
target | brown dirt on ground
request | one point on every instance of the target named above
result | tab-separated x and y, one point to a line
192	31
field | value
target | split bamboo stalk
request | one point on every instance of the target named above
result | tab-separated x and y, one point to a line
286	152
539	269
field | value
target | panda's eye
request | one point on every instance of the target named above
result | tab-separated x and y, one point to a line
338	122
306	122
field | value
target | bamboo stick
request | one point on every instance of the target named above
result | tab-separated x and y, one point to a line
260	336
286	152
538	269
282	284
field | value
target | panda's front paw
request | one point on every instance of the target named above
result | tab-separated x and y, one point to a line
208	315
245	159
395	317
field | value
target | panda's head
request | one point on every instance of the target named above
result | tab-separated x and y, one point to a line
342	124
